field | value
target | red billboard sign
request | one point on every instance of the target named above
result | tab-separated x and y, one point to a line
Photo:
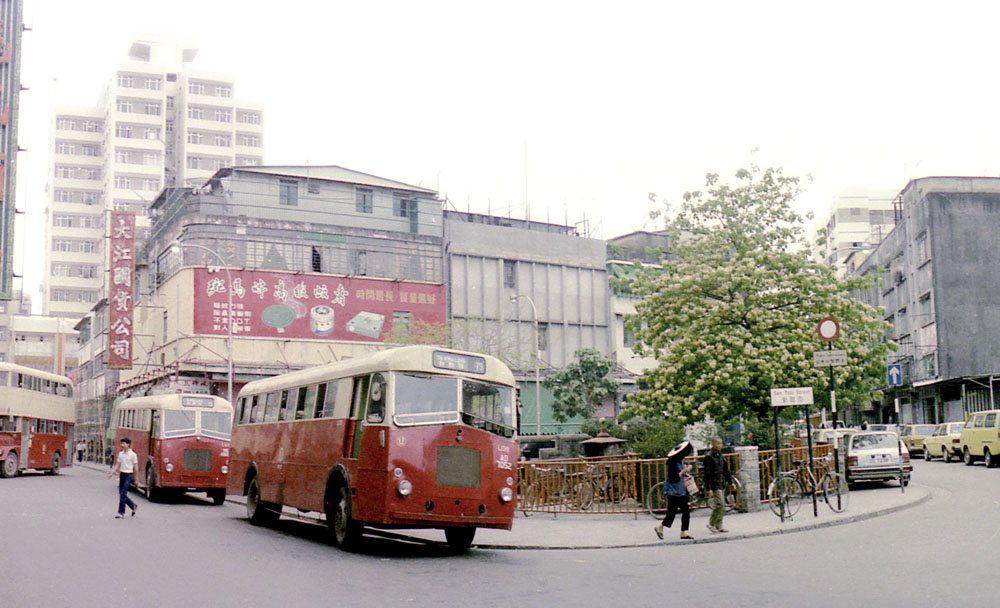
121	269
319	307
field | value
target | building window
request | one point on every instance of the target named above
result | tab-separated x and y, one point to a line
151	183
401	326
195	138
363	200
317	260
629	334
169	126
123	182
124	105
153	109
251	141
152	84
247	117
223	116
193	162
125	81
222	141
224	90
543	336
152	133
403	207
198	88
288	193
123	130
196	112
509	273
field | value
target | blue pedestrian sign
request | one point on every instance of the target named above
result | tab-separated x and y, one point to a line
895	373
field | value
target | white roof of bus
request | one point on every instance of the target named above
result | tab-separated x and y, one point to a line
404	358
171	401
20	369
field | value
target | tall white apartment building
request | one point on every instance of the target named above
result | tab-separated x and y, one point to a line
859	219
160	123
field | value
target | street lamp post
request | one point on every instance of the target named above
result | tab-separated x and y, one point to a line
176	248
538	375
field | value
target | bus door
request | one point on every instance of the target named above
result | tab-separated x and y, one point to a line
371	471
25	442
352	439
154	432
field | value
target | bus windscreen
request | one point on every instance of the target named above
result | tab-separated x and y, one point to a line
488	407
425	400
177	423
216	424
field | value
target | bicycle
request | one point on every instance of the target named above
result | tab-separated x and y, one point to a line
608	485
785	493
656	500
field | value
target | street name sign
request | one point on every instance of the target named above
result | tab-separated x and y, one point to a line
800	395
829	358
895	374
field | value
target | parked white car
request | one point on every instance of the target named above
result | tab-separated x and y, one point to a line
877	456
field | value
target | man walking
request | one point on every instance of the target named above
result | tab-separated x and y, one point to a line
125	466
717	479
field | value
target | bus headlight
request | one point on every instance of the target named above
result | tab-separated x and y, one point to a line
169	468
506	494
404	487
510	481
224	469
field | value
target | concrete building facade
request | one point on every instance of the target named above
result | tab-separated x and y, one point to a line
160	122
11	26
859	219
937	287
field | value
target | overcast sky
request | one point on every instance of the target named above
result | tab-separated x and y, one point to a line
580	108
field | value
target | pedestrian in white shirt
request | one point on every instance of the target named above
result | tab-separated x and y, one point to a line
125	466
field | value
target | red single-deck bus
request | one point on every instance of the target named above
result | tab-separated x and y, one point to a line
36	420
413	437
182	442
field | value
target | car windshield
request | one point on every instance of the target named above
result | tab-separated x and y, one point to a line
955	428
422	399
923	429
867	441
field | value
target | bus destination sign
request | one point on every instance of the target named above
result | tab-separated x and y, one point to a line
459	363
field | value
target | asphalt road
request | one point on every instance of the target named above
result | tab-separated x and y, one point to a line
61	546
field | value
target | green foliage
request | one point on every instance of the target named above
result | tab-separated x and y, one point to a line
648	438
579	388
733	311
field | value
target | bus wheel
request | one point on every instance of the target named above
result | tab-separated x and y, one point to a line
459	539
217	495
9	465
152	493
344	531
56	464
259	512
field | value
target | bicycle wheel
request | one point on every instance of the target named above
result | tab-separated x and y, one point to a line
734	495
835	492
656	501
785	495
618	488
579	495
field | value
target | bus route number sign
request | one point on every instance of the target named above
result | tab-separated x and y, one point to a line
459	363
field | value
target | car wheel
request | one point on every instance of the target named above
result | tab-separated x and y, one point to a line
988	461
945	454
967	457
927	455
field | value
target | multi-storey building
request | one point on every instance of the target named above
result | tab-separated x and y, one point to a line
11	25
160	122
938	290
858	221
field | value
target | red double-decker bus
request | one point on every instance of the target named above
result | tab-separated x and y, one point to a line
182	442
412	437
36	420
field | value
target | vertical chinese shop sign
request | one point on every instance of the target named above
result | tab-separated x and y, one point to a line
120	271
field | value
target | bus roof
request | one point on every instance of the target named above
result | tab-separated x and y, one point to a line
20	369
172	401
404	358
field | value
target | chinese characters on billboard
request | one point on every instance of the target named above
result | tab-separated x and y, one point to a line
120	271
293	306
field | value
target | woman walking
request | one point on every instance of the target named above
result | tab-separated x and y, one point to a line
673	487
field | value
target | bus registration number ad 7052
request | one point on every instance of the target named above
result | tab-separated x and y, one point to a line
503	458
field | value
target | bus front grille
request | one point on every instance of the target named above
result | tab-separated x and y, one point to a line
197	460
458	467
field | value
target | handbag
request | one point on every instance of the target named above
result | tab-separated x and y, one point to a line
690	485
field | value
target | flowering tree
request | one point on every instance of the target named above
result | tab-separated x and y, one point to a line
580	388
733	310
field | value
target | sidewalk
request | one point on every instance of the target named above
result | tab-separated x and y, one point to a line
606	531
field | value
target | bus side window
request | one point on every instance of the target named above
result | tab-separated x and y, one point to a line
310	402
154	428
376	399
360	394
255	409
320	401
4	378
271	413
330	399
283	409
20	381
300	402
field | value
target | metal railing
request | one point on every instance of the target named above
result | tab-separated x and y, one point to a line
620	484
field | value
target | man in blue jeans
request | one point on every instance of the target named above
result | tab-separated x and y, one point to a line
125	466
